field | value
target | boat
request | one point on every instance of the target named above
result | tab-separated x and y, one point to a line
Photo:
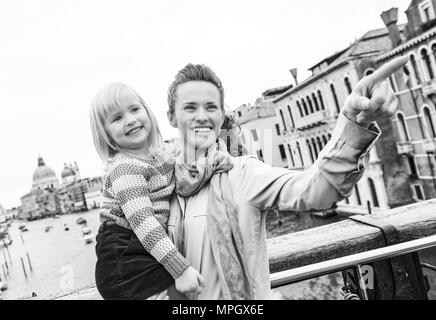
48	228
86	231
66	228
88	238
56	216
3	285
81	221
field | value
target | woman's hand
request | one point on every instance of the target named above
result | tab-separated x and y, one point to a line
190	281
372	98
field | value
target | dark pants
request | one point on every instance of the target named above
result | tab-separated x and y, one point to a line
124	269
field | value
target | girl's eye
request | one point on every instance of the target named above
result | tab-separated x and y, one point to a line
189	107
135	109
117	118
212	107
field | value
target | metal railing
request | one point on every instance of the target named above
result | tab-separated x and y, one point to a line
326	267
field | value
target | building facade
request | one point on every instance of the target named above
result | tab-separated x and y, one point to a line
260	130
308	113
414	126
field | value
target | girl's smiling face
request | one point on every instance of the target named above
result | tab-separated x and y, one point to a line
198	114
129	126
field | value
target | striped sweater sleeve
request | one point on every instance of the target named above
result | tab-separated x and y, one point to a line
129	187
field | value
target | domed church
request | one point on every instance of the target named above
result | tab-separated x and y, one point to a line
70	173
44	177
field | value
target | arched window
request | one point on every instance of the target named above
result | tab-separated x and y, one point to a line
299	153
299	109
315	150
348	85
426	58
402	128
309	147
315	102
309	103
359	201
291	155
373	192
329	136
429	122
306	112
283	119
292	118
318	141
320	100
324	140
415	69
335	98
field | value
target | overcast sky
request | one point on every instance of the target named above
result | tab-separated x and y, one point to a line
56	54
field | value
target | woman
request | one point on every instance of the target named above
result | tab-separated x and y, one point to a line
217	218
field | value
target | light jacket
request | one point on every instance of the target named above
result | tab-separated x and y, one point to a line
257	186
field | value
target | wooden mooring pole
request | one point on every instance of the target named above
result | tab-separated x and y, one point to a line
4	256
24	269
9	254
28	259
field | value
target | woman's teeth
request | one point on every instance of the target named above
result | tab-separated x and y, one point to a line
202	130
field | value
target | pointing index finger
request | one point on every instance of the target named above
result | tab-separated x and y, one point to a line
387	69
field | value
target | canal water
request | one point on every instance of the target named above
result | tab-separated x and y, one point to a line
54	263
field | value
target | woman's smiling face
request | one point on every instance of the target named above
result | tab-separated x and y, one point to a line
198	114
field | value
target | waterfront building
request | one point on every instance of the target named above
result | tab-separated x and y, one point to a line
44	176
30	206
308	112
260	130
412	168
93	194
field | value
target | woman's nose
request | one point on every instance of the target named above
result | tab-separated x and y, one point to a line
201	115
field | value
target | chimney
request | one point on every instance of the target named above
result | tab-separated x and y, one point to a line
294	74
390	18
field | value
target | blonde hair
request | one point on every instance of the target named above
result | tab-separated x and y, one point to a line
105	101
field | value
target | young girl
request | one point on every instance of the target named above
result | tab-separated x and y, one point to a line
135	257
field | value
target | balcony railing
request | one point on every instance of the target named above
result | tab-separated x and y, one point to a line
429	88
404	147
311	119
429	145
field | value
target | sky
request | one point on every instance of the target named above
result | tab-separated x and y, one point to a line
56	54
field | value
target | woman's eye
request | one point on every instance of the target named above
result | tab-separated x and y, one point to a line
135	109
188	107
117	118
212	107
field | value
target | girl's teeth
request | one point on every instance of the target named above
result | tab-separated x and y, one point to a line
134	131
202	130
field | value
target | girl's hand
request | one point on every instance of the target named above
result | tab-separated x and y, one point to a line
190	281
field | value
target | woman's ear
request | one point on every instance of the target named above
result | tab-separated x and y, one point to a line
172	118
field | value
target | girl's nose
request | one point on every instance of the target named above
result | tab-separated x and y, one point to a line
130	119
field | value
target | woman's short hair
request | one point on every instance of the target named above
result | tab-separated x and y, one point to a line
105	101
193	72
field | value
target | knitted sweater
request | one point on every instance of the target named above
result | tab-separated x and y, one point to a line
137	195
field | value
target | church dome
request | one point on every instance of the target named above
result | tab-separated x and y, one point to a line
44	175
67	172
